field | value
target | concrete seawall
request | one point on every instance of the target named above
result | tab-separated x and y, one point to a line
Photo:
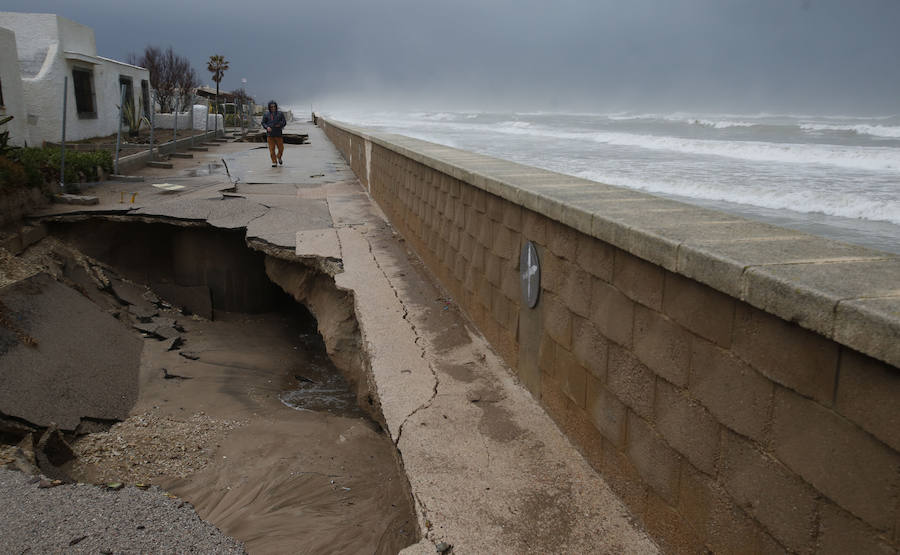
736	383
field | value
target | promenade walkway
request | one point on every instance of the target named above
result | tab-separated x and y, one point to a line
489	471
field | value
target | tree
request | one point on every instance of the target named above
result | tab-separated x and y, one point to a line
171	75
241	95
218	65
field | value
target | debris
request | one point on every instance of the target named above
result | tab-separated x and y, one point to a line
190	355
443	547
168	187
76	541
167	376
45	483
115	486
300	378
54	447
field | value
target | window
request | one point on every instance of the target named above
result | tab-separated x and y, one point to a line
129	93
145	96
85	103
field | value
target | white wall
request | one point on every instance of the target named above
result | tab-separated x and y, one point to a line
76	37
36	34
51	36
166	121
13	96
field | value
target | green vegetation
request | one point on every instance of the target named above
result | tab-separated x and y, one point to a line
32	167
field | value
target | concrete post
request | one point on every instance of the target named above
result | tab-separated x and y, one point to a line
152	121
62	142
192	120
175	126
119	129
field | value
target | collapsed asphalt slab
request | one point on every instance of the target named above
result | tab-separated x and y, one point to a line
62	358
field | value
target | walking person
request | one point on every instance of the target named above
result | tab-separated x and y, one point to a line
273	120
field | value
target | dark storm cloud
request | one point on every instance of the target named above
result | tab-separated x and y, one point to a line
737	55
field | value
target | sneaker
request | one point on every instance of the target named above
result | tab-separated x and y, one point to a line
274	165
280	162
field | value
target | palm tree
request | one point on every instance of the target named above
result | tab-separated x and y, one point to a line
218	65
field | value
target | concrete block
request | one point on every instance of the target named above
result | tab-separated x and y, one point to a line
699	308
511	285
736	394
127	178
495	207
687	427
721	263
505	242
547	356
607	412
562	240
768	491
595	257
867	394
512	216
709	510
807	293
871	326
612	312
493	267
486	232
640	280
657	464
574	379
668	527
624	479
479	201
573	421
786	353
632	382
576	289
839	459
840	533
557	320
589	346
534	227
662	345
80	200
553	271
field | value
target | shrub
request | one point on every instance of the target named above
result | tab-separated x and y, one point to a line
12	174
41	165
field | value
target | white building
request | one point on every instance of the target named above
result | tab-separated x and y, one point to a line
47	48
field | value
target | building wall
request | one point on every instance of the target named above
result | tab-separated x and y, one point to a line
42	42
11	83
167	121
726	401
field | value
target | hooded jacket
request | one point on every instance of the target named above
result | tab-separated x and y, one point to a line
274	120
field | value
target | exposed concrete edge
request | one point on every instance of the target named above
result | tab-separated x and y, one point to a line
712	247
140	159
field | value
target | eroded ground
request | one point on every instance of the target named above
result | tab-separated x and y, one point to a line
246	418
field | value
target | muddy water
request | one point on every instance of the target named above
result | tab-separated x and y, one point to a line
302	470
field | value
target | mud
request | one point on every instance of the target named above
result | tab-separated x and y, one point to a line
246	416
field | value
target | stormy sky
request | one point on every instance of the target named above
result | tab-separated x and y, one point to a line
801	56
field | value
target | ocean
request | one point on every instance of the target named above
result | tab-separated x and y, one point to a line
835	176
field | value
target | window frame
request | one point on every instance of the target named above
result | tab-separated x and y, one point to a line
89	72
